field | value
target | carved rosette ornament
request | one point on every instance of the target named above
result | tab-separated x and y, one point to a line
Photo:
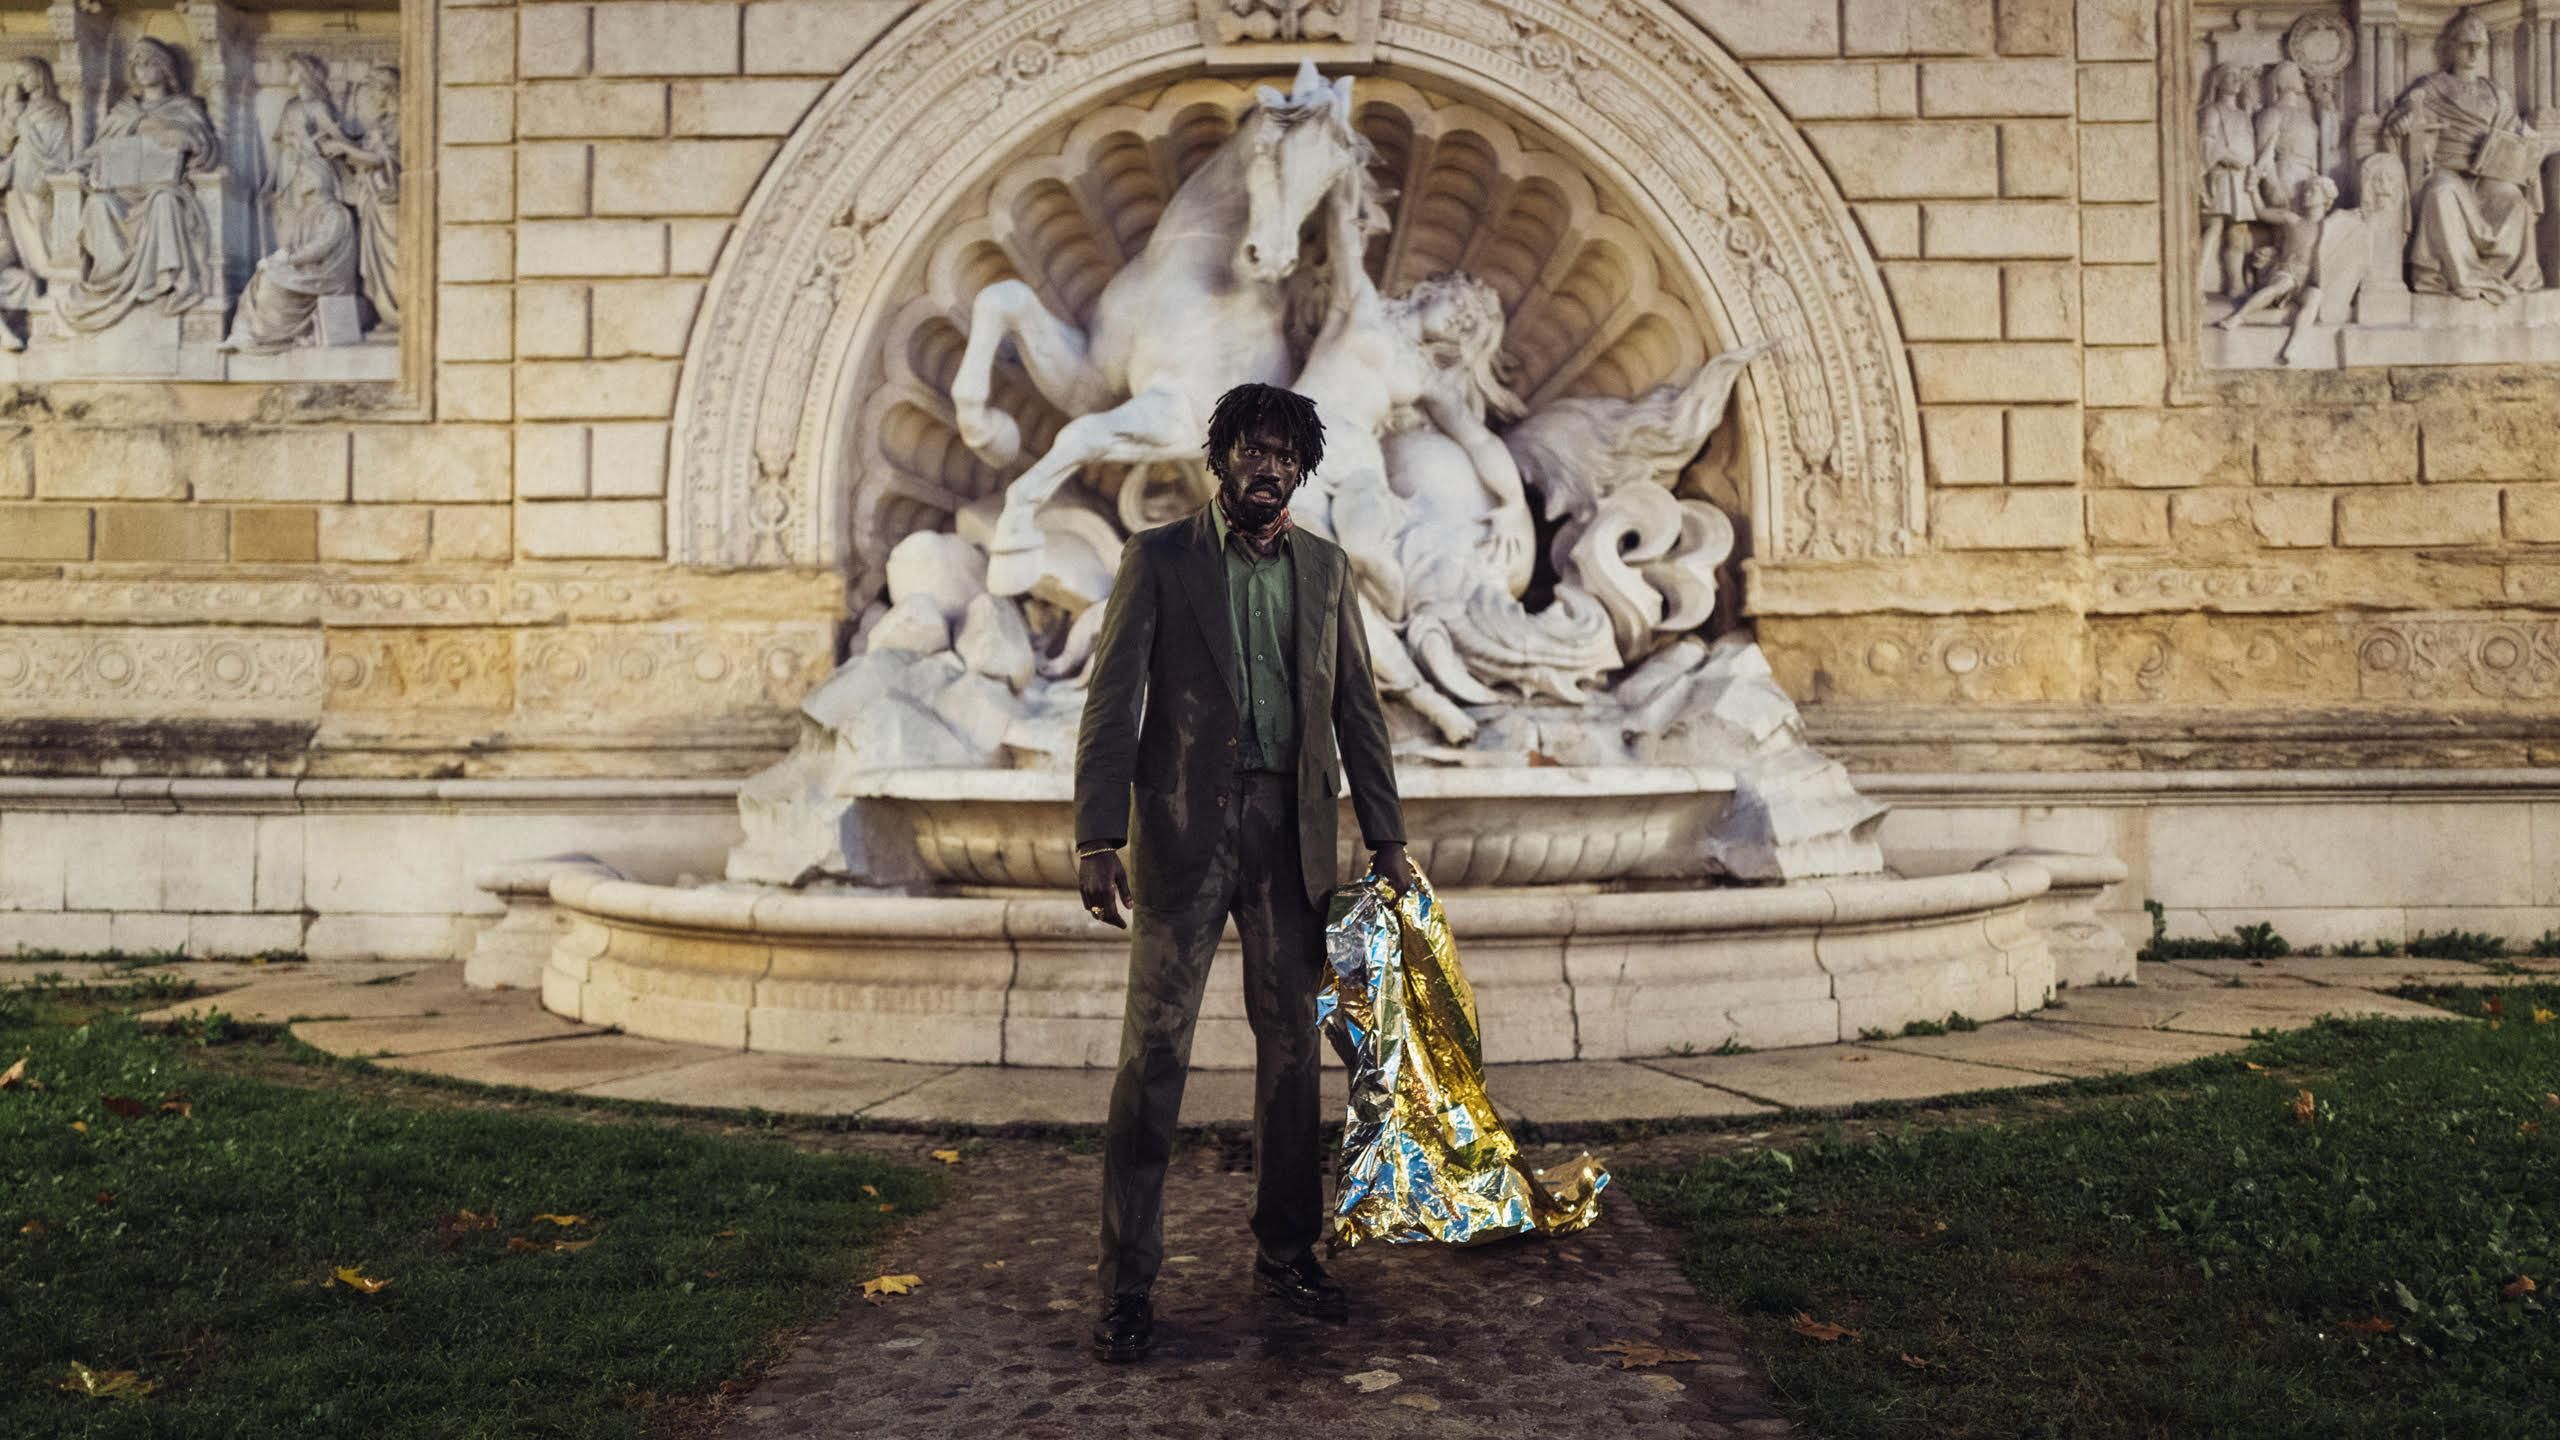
781	427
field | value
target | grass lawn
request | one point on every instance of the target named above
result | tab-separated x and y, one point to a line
192	1237
2202	1252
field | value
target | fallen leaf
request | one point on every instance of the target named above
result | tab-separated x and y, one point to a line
2304	1107
105	1197
2543	1017
353	1277
2521	1285
1914	1361
1370	1382
2494	1005
571	1247
990	1264
1858	1059
123	1107
2550	1100
1663	1383
1423	1403
2252	1064
871	1190
2528	1127
519	1245
80	1125
1637	1355
2373	1326
890	1285
1541	760
177	1107
103	1384
1822	1330
947	1157
10	1077
733	1387
563	1220
724	1234
33	1227
886	1207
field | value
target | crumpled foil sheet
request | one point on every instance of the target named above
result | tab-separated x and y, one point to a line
1424	1157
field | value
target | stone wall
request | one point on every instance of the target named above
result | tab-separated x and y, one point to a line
2126	558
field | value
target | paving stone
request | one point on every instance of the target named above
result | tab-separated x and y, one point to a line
786	1084
997	1095
1576	1091
554	1064
1497	1339
1827	1075
2051	1049
480	1023
2191	975
2221	1011
404	990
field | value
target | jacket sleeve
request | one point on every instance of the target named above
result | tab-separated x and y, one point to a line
1360	728
1115	697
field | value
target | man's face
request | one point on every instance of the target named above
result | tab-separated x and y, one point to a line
1263	470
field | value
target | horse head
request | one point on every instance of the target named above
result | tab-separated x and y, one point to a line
1297	148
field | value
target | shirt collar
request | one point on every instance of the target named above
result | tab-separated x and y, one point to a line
1226	533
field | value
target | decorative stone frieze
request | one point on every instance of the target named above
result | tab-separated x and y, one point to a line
214	200
79	671
2368	183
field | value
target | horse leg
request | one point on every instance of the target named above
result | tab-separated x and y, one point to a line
1052	350
1156	424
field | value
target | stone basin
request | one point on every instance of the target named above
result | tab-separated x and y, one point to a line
1468	827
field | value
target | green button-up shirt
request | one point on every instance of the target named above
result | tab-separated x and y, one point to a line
1261	601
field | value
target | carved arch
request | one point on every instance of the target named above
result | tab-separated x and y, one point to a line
809	284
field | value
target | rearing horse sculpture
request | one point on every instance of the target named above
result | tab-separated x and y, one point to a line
1199	310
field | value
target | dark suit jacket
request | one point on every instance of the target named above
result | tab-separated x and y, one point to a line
1155	758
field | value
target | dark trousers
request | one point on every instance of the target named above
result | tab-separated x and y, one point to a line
1257	877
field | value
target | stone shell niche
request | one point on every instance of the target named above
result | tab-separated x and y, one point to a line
781	429
1593	304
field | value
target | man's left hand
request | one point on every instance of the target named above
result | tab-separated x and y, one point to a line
1392	866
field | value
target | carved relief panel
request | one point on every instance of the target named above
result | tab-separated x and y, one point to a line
202	193
2371	182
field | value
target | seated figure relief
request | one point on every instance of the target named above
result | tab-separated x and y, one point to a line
316	236
35	146
144	238
2405	227
2476	174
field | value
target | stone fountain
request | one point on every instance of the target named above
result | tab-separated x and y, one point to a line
1640	850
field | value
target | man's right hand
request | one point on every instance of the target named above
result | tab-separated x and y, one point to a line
1105	885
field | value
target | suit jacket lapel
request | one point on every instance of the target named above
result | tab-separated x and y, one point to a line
1204	574
1309	615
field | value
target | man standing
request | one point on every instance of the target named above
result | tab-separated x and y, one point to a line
1230	691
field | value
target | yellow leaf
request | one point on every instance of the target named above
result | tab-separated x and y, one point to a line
33	1227
1822	1330
1636	1354
886	1207
2304	1107
2542	1016
890	1285
353	1277
80	1125
563	1219
2521	1285
2252	1064
10	1077
1914	1361
571	1246
871	1190
947	1157
103	1384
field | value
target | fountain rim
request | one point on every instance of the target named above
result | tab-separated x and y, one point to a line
956	783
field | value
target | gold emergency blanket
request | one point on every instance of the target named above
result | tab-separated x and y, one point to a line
1424	1157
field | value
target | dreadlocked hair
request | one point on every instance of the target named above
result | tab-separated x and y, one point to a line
1250	407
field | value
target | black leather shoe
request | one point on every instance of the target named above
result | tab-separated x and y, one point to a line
1127	1329
1303	1286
